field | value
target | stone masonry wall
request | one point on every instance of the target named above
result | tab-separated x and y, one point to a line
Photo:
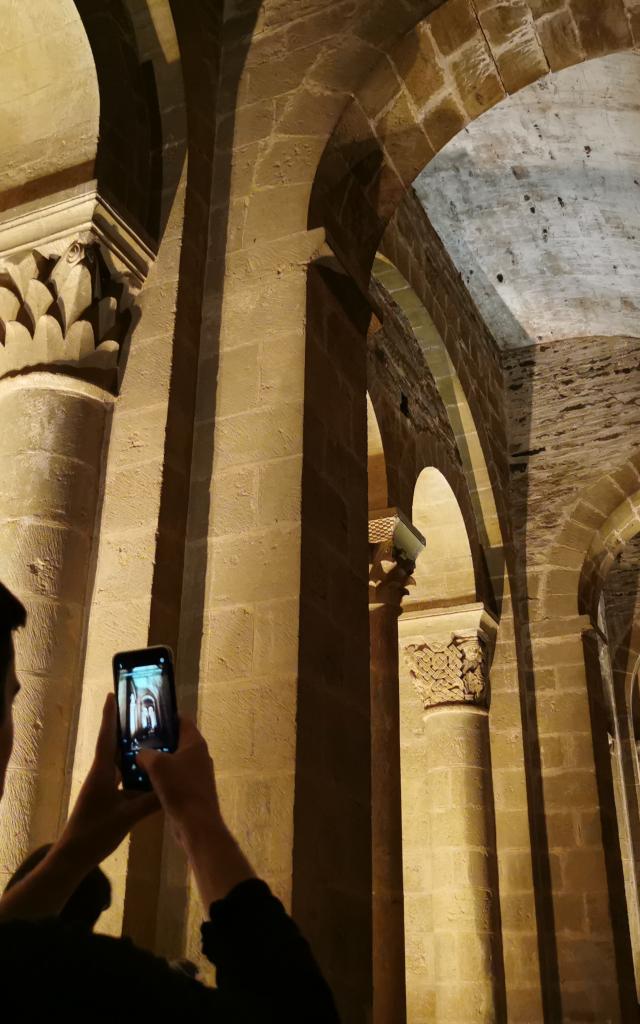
413	245
573	418
398	369
332	821
573	412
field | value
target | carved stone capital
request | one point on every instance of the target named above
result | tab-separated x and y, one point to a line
394	545
450	672
68	279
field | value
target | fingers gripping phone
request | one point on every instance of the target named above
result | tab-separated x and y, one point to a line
147	710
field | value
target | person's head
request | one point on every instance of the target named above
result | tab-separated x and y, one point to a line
85	905
12	616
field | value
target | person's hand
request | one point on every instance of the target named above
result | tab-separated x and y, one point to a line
186	786
104	813
184	781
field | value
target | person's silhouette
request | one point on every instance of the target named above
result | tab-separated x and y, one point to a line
265	970
86	904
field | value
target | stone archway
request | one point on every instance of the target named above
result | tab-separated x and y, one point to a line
460	416
449	829
577	773
447	70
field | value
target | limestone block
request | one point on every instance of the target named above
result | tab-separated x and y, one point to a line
464	1002
584	870
263	564
279	491
234	501
417	67
290	162
256	310
601	28
65	487
517	912
135	434
228	647
309	112
269	433
570	789
250	727
54	556
275	213
461	827
275	636
117	628
561	712
468	786
64	427
443	121
281	367
479	85
238	380
125	511
453	26
264	813
127	562
559	40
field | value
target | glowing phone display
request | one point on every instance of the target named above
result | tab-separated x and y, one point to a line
147	712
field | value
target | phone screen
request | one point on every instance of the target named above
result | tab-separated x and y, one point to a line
147	713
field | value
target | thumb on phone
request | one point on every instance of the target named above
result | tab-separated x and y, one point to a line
147	759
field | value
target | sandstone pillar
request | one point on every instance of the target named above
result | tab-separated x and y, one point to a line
69	274
394	547
51	438
586	886
618	724
447	655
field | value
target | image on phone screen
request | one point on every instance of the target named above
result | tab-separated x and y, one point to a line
146	709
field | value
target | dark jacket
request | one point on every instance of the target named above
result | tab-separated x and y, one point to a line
265	971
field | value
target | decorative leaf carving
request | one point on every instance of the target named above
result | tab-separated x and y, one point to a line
37	300
9	304
61	307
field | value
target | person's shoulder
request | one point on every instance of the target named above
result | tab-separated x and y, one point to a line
17	932
39	956
54	937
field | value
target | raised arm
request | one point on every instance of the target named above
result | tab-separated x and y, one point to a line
257	949
102	817
185	784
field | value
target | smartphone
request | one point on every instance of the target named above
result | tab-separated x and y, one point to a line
147	709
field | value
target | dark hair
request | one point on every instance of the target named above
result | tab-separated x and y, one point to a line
85	905
13	615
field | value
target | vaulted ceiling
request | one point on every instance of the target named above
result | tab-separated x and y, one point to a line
538	203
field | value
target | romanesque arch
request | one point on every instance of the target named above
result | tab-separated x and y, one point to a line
446	643
461	418
453	65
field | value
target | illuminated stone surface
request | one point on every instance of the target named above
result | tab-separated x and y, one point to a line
301	356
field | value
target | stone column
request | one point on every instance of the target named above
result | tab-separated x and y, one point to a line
616	721
65	302
447	655
51	441
394	547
